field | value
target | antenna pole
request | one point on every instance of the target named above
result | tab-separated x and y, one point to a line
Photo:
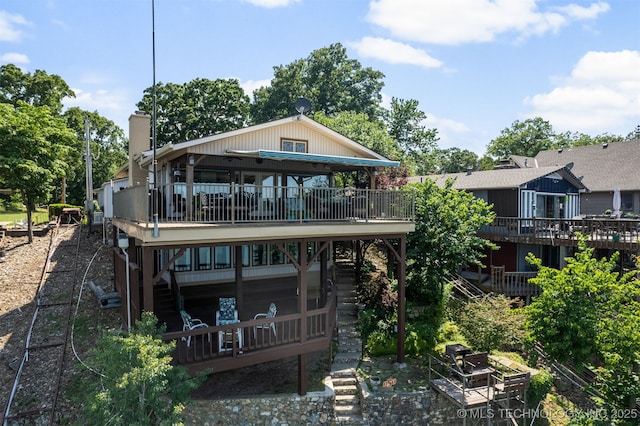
88	204
154	194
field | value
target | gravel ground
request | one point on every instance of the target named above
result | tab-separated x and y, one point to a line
20	276
21	271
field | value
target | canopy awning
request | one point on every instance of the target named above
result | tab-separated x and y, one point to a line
315	158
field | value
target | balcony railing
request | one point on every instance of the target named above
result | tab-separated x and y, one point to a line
234	203
600	231
254	341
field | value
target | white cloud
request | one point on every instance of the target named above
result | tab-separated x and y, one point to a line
14	58
9	26
394	52
114	104
602	95
453	133
270	4
250	85
455	22
579	12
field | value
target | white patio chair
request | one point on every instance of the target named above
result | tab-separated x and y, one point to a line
189	324
271	313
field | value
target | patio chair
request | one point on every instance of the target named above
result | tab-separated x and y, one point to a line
225	315
271	313
189	324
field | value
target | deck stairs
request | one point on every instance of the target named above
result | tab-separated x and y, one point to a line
347	408
463	289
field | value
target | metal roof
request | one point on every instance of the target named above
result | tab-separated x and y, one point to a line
315	158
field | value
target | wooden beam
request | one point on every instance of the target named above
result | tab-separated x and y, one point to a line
147	278
302	374
239	282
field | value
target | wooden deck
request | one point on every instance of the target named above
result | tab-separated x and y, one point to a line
244	343
477	388
463	397
616	234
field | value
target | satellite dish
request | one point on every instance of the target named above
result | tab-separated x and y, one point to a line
302	105
569	166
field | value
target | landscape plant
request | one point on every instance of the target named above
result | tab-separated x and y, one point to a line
588	313
492	323
136	383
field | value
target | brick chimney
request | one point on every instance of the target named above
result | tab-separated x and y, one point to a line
139	141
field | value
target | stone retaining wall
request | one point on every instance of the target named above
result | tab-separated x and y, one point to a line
316	408
426	407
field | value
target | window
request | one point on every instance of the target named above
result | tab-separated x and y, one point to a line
294	145
222	257
203	258
183	263
277	257
245	255
259	256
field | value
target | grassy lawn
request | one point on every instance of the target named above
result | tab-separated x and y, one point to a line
11	217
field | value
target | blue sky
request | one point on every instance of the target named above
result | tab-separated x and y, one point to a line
475	66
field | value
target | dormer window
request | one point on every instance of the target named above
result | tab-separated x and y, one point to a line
294	145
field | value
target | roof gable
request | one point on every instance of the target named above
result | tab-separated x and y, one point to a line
319	140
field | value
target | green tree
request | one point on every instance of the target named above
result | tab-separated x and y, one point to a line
525	138
454	160
328	78
371	134
108	151
196	109
569	139
487	163
447	221
37	89
404	123
588	313
34	150
138	384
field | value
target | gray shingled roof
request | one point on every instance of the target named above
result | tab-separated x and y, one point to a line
498	179
603	168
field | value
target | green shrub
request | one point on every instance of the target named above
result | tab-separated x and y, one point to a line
491	323
137	384
539	387
381	342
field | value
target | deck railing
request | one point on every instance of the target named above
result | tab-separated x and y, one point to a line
513	284
234	203
600	231
253	341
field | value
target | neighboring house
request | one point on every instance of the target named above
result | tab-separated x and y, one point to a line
602	168
537	212
243	219
519	197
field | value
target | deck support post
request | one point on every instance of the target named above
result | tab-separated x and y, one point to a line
303	267
238	277
147	278
302	374
400	256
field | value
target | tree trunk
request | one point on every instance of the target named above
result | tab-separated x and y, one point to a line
29	226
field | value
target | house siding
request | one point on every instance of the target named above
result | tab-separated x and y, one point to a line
505	202
270	139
